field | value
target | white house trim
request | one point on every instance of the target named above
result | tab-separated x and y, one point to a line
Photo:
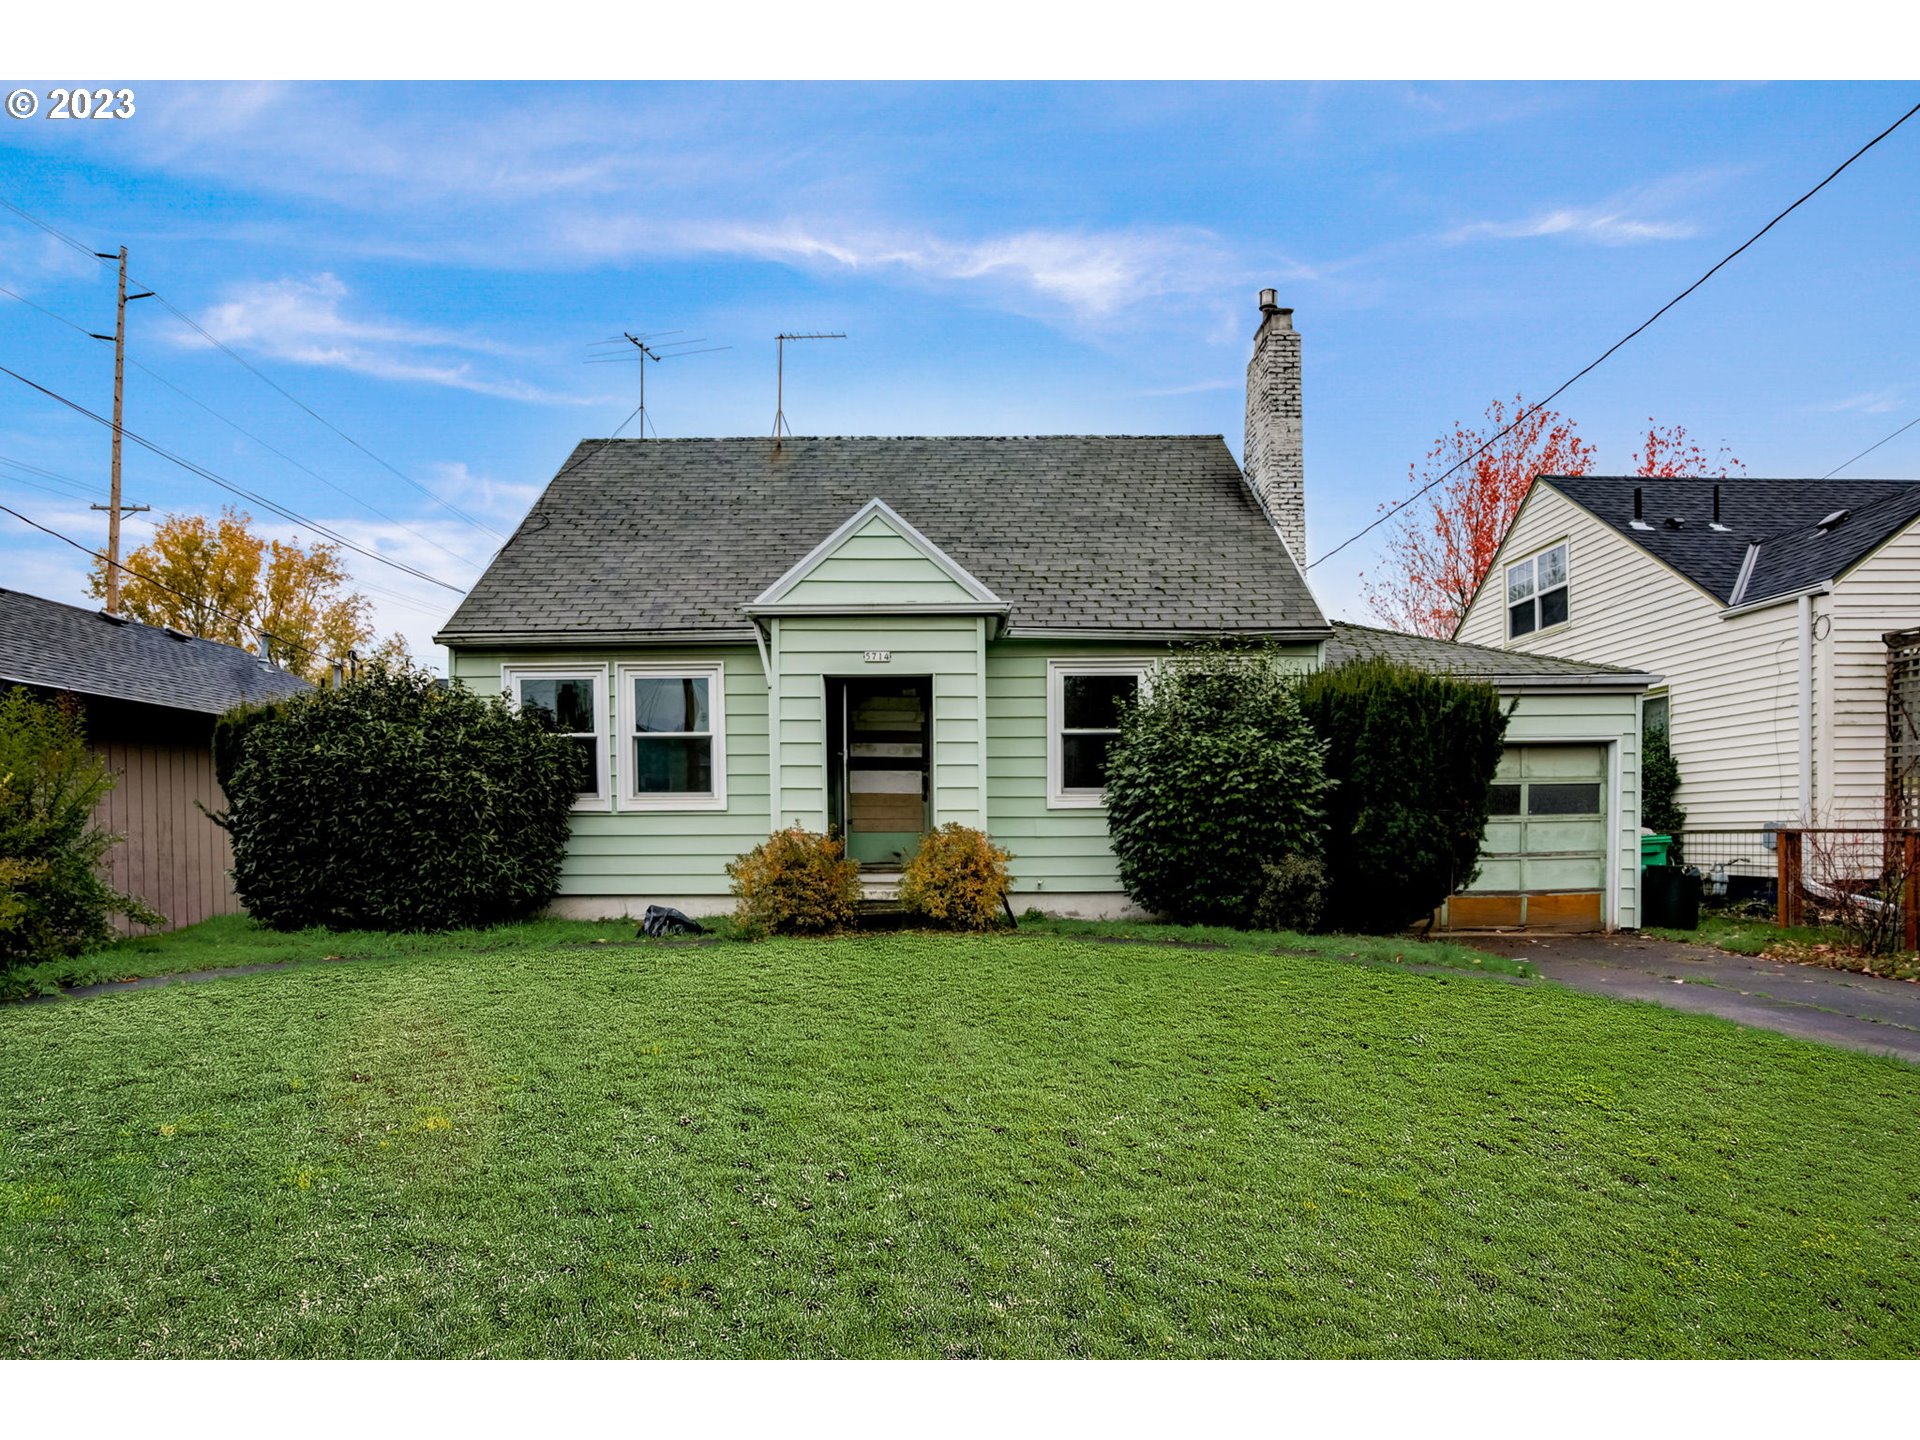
714	673
1058	797
512	674
951	568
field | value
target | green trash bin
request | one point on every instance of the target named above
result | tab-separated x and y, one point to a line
1655	850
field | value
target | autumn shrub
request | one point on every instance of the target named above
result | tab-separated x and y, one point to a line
1215	773
957	879
1413	754
1294	895
795	882
397	803
54	902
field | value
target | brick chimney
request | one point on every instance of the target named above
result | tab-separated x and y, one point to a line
1275	458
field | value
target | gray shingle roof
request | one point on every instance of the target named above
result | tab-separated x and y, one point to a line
1480	662
1779	516
1110	532
63	647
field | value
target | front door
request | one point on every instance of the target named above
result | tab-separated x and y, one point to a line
879	737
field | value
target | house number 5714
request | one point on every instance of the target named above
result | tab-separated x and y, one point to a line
878	657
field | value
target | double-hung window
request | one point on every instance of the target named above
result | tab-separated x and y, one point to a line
573	703
1537	592
1084	701
672	737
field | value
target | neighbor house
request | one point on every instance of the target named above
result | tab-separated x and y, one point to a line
880	635
149	698
1767	606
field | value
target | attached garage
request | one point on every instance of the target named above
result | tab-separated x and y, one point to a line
1562	847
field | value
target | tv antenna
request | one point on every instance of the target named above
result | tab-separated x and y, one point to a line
645	349
780	375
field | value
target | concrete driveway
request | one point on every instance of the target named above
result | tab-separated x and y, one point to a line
1859	1012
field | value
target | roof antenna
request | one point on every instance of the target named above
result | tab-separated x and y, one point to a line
780	376
647	350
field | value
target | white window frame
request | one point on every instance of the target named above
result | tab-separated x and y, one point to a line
512	675
1506	591
1664	697
654	801
1058	796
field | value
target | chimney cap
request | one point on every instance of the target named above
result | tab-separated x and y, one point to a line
1270	302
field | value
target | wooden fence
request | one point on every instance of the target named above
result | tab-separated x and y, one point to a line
1888	858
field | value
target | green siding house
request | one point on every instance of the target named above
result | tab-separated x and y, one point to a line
881	635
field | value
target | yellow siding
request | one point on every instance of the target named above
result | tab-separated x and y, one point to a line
1732	680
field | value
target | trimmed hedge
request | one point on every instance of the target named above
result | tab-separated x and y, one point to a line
1215	773
1414	754
396	803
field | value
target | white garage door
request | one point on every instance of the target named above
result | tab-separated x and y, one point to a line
1543	862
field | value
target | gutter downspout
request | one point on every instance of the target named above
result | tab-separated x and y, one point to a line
1804	615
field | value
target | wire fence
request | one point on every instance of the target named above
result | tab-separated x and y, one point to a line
1739	869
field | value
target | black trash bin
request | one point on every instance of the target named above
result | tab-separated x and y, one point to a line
1670	897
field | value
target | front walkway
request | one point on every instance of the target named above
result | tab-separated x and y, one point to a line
1836	1007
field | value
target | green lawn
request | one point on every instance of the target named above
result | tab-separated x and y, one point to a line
526	1143
1822	945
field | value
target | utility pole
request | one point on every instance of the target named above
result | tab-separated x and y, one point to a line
113	507
780	376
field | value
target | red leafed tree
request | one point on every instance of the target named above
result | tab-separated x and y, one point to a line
1667	454
1439	546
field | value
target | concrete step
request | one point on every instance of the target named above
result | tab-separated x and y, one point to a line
877	883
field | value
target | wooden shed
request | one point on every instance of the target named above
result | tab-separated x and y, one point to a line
150	698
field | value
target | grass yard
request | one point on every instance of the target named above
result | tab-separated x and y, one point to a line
1040	1144
1822	945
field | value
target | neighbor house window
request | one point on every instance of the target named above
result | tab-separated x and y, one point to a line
1537	592
1084	701
572	702
673	737
1653	713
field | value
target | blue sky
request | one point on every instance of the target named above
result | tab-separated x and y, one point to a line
425	265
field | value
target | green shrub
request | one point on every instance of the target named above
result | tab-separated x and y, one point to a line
1294	896
1660	811
398	803
957	879
230	735
1413	753
1215	772
796	883
53	900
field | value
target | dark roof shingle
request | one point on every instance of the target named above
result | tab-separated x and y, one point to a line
1145	533
63	647
1781	517
1454	657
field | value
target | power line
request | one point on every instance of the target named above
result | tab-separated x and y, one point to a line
258	374
282	511
1530	410
238	428
160	584
1873	447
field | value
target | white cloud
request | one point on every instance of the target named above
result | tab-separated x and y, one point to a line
1870	402
1600	224
455	481
1087	276
307	322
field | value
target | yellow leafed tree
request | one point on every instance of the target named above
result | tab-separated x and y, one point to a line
219	580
